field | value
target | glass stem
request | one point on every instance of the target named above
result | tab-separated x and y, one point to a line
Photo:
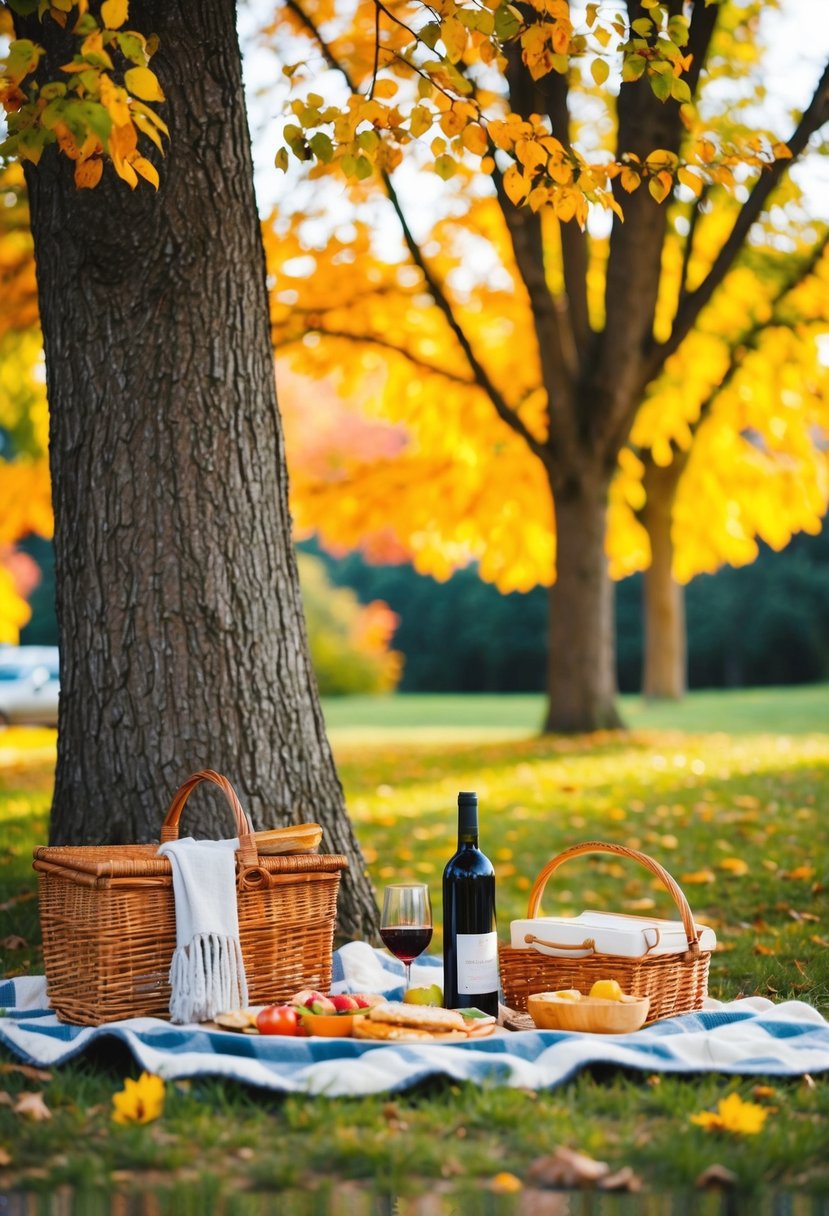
408	967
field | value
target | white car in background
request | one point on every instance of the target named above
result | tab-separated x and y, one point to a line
29	685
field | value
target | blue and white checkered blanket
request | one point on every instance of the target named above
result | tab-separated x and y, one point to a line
748	1037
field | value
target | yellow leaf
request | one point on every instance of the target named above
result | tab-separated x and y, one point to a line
147	128
530	154
691	180
385	88
629	179
454	38
515	187
114	13
140	1101
734	865
114	101
733	1115
698	877
599	70
420	121
452	122
143	83
474	139
660	186
146	169
538	197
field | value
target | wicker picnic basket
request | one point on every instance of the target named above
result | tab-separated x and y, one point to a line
109	928
676	982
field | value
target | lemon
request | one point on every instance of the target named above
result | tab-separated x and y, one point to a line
568	994
607	990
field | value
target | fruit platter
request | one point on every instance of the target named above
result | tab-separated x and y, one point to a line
361	1016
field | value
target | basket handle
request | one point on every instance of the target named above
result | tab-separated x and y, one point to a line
598	846
247	854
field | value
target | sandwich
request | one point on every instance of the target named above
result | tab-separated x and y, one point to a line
396	1022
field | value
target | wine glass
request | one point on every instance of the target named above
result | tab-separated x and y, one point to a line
406	922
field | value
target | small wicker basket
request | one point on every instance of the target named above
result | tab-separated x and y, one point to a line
676	983
109	926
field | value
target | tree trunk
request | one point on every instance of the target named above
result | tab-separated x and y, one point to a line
581	679
664	674
181	630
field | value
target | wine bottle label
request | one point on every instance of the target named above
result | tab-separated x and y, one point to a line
477	955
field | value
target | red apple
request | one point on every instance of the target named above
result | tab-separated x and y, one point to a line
343	1003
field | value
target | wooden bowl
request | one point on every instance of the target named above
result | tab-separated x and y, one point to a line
591	1014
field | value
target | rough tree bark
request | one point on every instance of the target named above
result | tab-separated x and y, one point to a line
664	673
181	629
581	676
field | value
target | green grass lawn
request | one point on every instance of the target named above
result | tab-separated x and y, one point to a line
432	717
728	792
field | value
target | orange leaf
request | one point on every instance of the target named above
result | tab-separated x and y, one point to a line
88	173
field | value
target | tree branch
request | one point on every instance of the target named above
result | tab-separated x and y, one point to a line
416	361
502	409
574	314
696	213
482	377
813	119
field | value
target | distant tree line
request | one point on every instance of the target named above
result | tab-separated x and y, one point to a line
763	624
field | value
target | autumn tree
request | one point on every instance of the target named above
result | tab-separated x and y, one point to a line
182	637
525	350
25	500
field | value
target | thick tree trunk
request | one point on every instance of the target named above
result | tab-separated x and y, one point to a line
665	662
182	636
582	660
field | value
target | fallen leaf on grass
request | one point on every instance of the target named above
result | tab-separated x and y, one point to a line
566	1167
800	873
32	1106
26	1070
505	1184
5	1157
14	942
716	1175
698	877
733	1115
734	865
623	1180
139	1101
764	950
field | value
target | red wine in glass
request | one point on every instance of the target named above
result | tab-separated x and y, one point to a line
408	942
406	922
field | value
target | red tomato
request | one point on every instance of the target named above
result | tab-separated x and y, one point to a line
277	1019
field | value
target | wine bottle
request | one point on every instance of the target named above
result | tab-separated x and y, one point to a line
470	942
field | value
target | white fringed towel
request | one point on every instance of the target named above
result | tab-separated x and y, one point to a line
207	974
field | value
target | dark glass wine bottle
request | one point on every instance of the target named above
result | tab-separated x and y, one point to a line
470	942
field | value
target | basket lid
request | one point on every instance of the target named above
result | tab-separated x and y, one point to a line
143	861
594	932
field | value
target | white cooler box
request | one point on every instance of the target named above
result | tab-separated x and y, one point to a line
604	933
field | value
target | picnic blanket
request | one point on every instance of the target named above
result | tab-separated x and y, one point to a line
746	1037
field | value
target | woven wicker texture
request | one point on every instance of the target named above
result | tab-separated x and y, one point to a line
109	931
676	983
